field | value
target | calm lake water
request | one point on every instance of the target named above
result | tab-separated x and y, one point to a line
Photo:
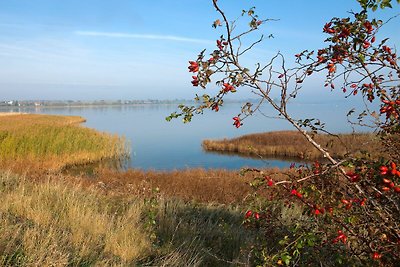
161	145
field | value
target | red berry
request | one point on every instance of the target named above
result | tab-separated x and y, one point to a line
383	170
376	256
386	181
344	201
248	214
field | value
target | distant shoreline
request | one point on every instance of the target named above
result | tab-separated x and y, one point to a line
98	103
11	113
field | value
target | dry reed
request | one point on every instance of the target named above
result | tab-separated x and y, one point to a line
294	145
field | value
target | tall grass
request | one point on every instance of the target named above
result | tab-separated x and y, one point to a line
293	144
52	224
53	142
56	222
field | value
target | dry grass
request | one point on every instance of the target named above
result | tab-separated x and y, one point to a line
293	144
53	224
46	142
56	222
199	185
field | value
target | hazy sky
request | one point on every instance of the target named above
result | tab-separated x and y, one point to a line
130	49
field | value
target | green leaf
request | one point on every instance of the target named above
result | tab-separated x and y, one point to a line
362	57
286	259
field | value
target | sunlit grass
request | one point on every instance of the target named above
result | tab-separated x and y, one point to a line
294	145
53	142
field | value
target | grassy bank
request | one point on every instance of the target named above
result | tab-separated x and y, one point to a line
47	142
292	144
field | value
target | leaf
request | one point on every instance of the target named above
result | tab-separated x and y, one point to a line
286	259
362	57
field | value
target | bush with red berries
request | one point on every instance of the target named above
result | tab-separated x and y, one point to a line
340	212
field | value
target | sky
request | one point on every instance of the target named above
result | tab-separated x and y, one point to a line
130	49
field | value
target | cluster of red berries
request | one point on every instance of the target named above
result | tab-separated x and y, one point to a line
390	108
389	172
340	238
250	213
228	88
349	202
294	192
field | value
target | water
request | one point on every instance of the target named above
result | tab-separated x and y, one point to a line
161	145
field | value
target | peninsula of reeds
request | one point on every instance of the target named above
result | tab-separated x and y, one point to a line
292	144
49	142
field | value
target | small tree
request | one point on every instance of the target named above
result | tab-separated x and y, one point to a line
353	203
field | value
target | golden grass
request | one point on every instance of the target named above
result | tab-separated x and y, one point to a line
48	142
294	145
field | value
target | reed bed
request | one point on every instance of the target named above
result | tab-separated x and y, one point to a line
48	142
293	144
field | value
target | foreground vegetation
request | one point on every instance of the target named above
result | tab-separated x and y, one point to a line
58	223
63	221
30	142
292	144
